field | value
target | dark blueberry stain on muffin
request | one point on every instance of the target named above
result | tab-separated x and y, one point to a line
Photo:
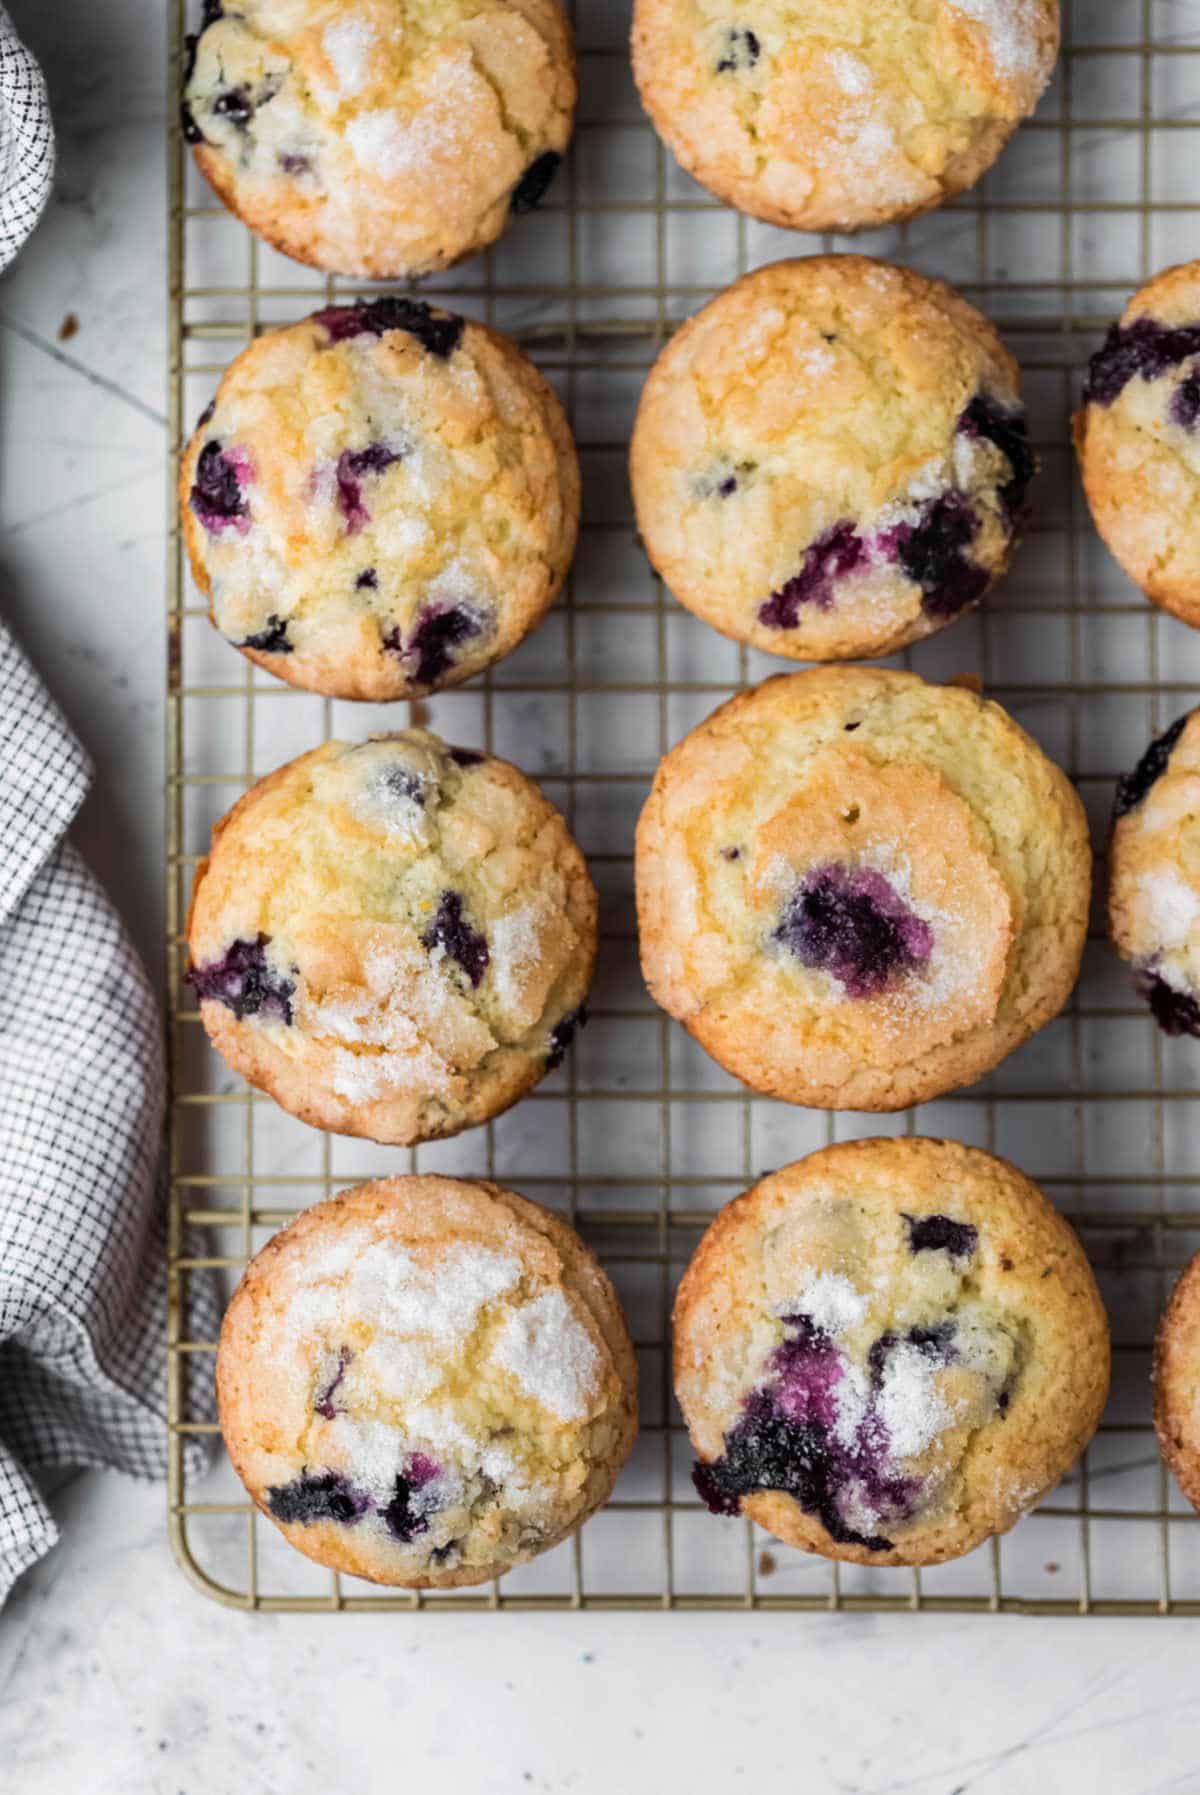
1132	789
236	105
833	555
367	581
324	1404
466	757
851	923
294	164
1176	1012
402	782
742	50
941	1234
451	932
731	853
439	629
935	1343
438	332
217	495
1184	408
353	467
932	553
206	416
443	1554
533	185
320	1496
402	1519
1004	426
788	1439
274	639
563	1034
721	481
245	983
1143	350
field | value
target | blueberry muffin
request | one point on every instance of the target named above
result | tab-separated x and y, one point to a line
1154	876
858	891
394	938
1138	440
381	501
847	113
426	1381
831	459
889	1351
377	137
1177	1383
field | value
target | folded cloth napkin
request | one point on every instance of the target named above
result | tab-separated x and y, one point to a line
82	1215
26	142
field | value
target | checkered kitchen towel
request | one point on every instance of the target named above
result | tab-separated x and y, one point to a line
82	1237
26	142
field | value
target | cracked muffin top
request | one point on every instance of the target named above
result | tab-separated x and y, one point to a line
381	501
888	1351
833	115
859	891
380	138
426	1381
1138	439
394	938
831	459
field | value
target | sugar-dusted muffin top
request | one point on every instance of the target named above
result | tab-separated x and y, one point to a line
1138	439
888	1351
858	890
831	115
381	501
1177	1382
1154	875
426	1381
382	138
394	938
831	459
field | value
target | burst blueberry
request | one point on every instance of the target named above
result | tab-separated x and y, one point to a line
532	187
466	757
439	629
217	496
353	467
274	639
941	1234
404	1517
1005	428
1176	1012
742	50
1133	787
245	982
932	553
367	581
840	551
851	923
319	1496
324	1404
438	332
1143	350
452	933
1184	408
563	1034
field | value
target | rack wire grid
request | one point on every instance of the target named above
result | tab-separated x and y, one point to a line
639	1138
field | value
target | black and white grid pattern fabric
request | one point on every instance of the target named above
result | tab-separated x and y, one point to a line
82	1222
26	142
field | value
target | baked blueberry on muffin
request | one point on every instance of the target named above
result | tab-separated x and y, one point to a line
858	891
842	113
831	459
1138	439
394	938
1177	1382
381	501
1154	876
889	1351
377	137
426	1381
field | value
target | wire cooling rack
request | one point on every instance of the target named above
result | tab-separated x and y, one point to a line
639	1138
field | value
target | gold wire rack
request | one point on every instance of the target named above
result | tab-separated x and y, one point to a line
638	1138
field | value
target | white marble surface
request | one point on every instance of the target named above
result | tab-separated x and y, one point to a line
114	1675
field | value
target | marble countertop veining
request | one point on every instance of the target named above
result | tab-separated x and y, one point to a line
114	1674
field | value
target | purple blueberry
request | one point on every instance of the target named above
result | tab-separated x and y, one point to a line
245	983
731	853
838	552
217	496
531	189
438	332
851	923
273	639
367	581
236	105
1133	788
932	553
206	416
438	629
1176	1012
451	931
1004	426
742	50
353	467
466	757
940	1234
1184	409
1143	350
294	164
324	1404
720	481
402	783
562	1035
936	1343
401	1518
318	1496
